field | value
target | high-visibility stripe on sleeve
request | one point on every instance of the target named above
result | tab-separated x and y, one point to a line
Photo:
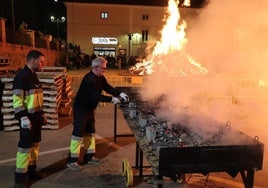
32	100
18	98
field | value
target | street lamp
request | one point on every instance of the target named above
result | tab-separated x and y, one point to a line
57	21
129	43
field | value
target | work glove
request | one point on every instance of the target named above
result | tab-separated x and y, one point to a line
124	97
25	123
115	100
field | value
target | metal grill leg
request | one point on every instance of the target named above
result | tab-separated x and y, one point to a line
248	179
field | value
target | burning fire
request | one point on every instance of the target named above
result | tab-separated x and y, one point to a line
168	54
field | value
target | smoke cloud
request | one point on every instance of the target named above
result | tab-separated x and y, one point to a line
230	39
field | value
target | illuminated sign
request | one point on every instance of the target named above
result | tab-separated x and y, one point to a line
104	40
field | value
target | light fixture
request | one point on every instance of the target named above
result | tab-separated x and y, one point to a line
57	21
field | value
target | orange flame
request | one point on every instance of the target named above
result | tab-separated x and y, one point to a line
187	3
168	53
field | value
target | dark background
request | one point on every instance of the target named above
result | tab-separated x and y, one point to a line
36	13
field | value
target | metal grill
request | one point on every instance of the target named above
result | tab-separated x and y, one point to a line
195	155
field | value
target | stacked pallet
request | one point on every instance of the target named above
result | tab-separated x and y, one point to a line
57	96
54	69
4	64
7	111
65	108
52	83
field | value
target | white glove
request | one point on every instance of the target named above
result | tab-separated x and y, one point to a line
115	100
124	97
25	123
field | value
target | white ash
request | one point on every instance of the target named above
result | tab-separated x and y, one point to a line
176	134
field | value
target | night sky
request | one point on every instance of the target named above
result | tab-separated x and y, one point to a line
36	13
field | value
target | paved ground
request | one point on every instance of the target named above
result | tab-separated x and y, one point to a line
54	151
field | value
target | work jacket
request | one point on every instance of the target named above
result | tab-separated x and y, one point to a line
27	95
90	92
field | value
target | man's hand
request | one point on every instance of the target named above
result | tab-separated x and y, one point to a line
25	123
124	97
115	100
44	117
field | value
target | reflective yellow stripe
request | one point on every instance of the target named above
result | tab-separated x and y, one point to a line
32	101
22	162
92	146
34	155
75	146
17	101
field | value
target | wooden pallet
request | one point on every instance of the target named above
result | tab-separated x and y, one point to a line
66	111
54	69
4	64
57	97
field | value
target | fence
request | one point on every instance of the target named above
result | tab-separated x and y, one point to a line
233	91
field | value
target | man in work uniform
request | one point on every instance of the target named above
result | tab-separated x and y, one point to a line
28	106
85	102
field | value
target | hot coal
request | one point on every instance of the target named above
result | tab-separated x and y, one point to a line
160	132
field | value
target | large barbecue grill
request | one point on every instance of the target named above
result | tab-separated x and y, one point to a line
173	152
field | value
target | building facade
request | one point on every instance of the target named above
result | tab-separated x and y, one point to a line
116	30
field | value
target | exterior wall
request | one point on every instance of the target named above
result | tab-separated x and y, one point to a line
84	22
17	55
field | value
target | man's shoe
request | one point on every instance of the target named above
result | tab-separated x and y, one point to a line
74	166
21	180
21	177
93	161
